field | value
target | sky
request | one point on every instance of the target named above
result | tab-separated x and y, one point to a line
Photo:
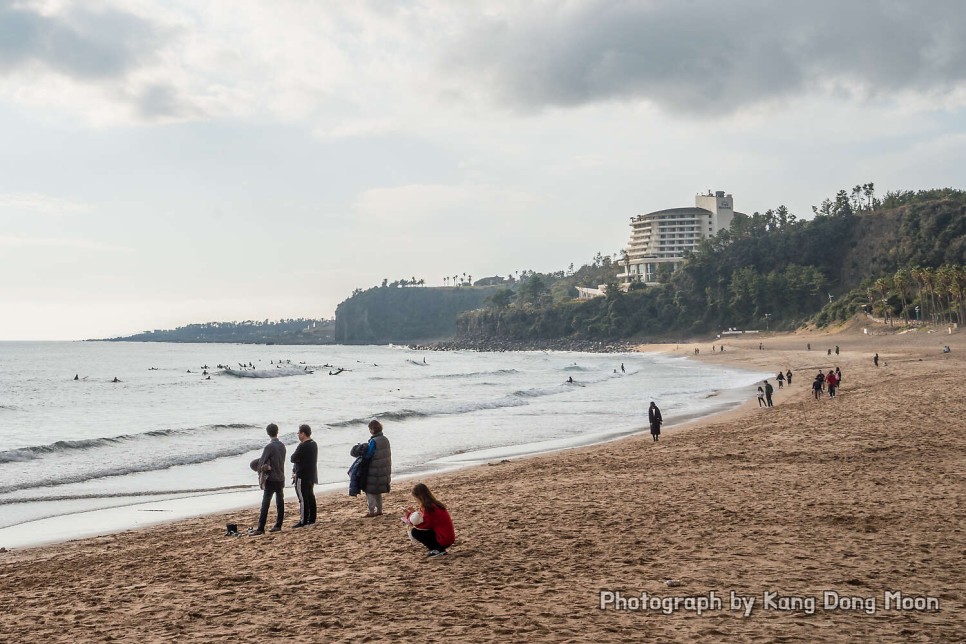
170	162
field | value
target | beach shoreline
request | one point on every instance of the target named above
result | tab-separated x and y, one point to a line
858	496
160	512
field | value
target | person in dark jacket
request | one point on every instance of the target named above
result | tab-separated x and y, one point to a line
379	457
655	419
769	390
274	457
305	475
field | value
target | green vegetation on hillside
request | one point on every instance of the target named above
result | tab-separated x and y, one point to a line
769	270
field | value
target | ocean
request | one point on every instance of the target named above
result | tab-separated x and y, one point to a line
174	436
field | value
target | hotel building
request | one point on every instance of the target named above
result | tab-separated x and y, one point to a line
663	236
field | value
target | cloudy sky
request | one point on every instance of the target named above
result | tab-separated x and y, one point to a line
168	162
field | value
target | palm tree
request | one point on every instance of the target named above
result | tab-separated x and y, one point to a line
960	282
883	286
901	280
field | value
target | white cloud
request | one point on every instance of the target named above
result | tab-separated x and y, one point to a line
13	241
40	204
409	204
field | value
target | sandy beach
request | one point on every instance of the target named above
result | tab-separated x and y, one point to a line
863	496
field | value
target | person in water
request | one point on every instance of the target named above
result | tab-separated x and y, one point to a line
434	529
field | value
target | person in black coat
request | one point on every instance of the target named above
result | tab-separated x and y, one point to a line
305	475
655	418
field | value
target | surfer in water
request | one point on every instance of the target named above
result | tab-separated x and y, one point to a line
76	376
115	379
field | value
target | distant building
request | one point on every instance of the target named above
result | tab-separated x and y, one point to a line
586	293
661	237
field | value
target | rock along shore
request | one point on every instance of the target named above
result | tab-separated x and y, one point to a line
559	344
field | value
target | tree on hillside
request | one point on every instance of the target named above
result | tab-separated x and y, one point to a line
531	290
501	299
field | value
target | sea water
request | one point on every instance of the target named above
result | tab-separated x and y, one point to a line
170	440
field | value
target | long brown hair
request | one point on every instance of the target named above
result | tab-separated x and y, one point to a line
426	499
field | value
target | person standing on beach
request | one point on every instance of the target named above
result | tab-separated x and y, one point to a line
655	419
875	359
379	455
274	456
761	397
788	376
305	475
769	390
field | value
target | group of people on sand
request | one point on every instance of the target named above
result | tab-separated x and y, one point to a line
822	382
428	522
766	391
826	381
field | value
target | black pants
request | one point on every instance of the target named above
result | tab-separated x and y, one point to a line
272	488
305	491
427	538
768	400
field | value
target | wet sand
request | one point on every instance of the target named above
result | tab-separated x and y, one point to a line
861	495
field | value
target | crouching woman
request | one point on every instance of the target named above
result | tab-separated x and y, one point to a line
431	523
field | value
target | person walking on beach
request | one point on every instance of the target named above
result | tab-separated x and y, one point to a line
875	359
761	397
622	368
769	390
817	386
431	525
781	379
379	455
836	349
838	377
788	376
831	382
273	455
655	419
305	475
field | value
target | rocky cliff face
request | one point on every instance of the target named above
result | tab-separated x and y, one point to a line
385	315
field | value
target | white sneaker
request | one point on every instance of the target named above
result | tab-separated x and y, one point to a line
436	553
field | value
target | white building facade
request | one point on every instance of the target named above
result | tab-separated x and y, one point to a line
661	238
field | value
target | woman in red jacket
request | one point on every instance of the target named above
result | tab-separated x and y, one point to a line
434	529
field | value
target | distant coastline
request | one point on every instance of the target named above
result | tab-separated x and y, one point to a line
300	331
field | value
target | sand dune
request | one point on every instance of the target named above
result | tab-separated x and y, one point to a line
860	495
